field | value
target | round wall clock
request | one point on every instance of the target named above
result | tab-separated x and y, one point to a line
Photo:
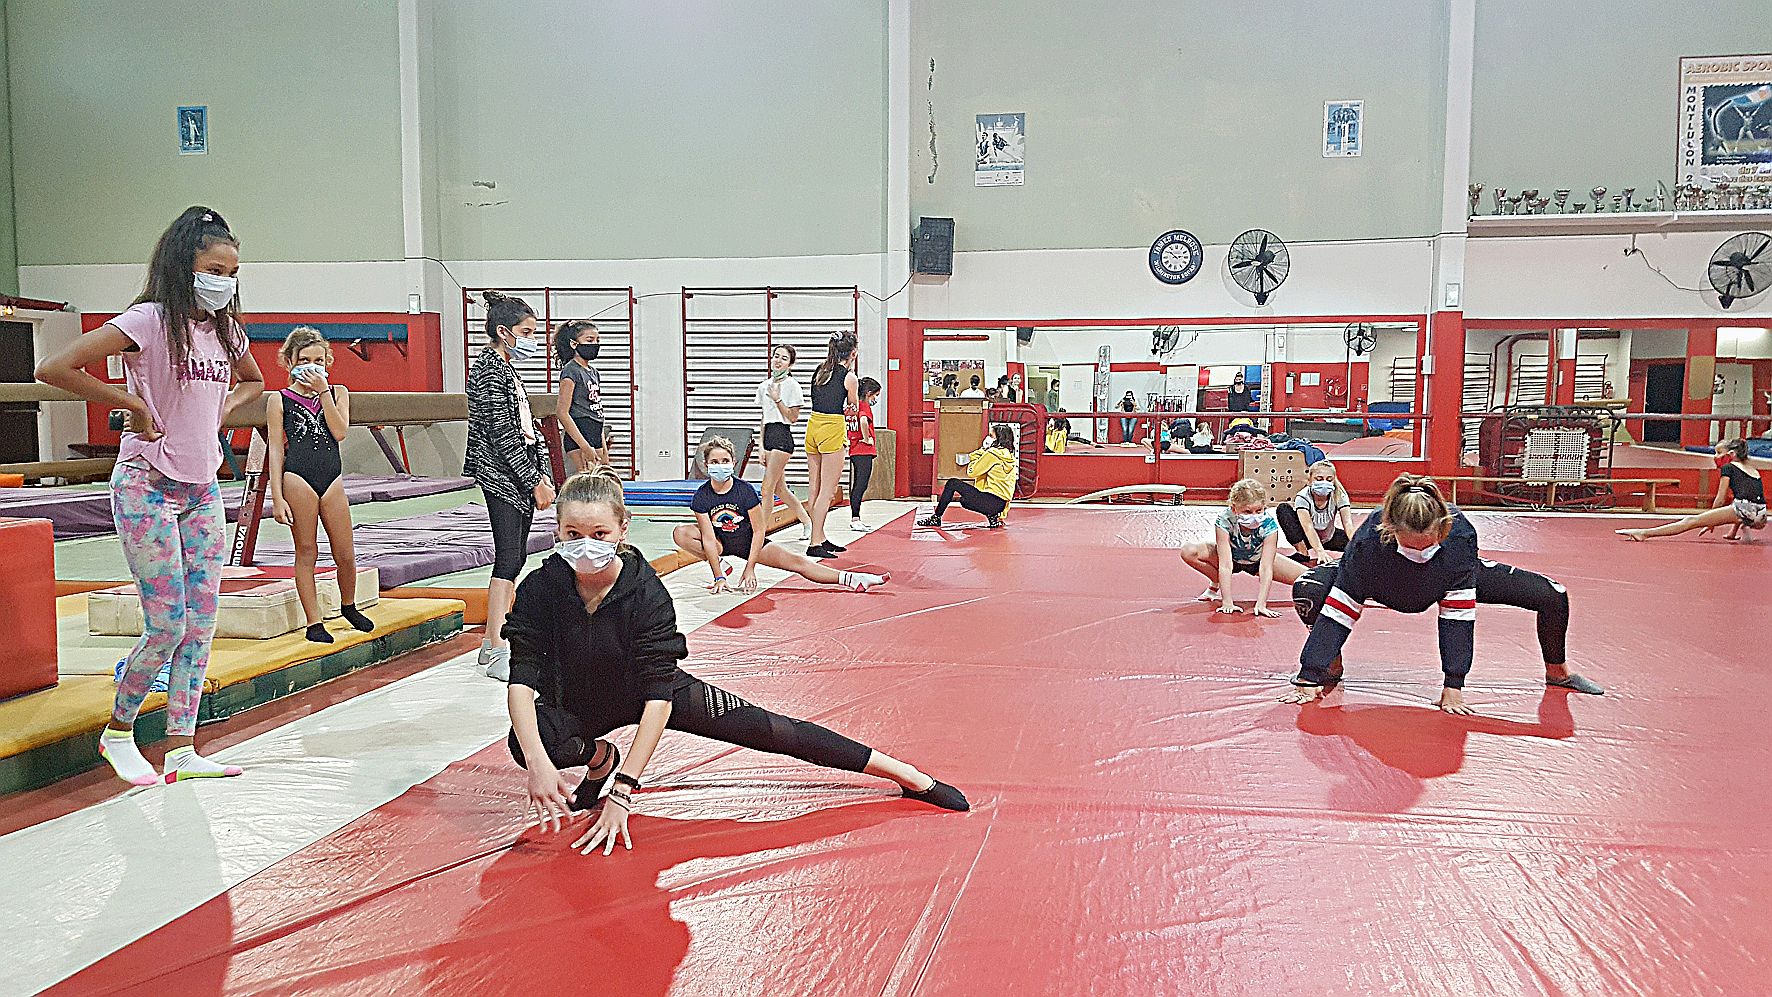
1175	257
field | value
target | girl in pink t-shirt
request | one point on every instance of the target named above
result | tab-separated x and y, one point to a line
187	369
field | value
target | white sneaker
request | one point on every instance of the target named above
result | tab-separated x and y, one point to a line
857	526
1210	595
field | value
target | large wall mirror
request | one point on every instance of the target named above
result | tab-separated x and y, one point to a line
1308	375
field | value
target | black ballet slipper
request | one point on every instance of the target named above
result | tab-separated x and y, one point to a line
317	633
942	795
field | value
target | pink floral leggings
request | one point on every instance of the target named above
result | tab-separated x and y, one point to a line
174	535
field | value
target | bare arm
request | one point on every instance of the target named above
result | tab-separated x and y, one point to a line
337	411
563	412
249	387
710	544
1269	547
1224	571
274	444
653	718
849	385
67	369
759	537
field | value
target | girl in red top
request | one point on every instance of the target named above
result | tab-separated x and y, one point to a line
861	449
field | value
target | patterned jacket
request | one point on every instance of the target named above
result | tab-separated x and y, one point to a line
499	457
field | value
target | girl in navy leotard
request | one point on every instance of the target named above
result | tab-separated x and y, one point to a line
306	421
1740	501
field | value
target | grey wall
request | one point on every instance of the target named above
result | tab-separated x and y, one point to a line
1583	93
628	129
8	229
1147	115
304	110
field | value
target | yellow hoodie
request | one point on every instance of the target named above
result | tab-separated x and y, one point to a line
994	470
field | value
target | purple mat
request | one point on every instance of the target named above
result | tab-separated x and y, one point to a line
74	512
362	488
417	547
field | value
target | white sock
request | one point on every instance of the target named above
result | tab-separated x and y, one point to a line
860	581
1210	595
485	651
118	748
185	763
498	664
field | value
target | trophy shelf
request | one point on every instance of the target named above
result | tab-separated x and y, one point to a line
1618	223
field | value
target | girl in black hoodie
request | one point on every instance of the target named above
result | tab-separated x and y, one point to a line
595	646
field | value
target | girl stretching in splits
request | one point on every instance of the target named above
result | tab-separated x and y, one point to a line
1415	552
595	646
729	523
1740	501
305	422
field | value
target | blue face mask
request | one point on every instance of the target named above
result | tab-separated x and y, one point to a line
525	348
1322	488
720	472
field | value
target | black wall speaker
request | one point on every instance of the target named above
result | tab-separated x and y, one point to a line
932	246
1024	334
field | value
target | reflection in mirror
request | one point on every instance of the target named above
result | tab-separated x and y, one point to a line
1230	387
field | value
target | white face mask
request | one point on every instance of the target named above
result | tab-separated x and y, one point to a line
213	290
525	348
1421	556
585	555
1249	520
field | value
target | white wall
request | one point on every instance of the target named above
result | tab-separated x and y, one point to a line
1589	279
1744	342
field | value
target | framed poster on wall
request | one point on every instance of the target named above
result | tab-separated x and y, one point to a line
1002	150
1341	128
1725	119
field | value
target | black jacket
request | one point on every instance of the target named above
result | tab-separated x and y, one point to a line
601	667
1371	570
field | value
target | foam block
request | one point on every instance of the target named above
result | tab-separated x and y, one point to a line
256	603
27	598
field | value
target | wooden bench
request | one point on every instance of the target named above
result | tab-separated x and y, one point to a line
1648	486
1154	492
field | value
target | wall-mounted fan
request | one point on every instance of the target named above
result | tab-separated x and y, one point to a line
1360	338
1164	339
1258	262
1741	268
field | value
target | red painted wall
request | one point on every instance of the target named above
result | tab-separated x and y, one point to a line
421	369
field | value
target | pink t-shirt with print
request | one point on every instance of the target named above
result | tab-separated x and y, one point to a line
187	403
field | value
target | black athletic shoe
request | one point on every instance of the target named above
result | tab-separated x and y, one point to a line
820	551
585	796
993	522
941	795
834	547
934	521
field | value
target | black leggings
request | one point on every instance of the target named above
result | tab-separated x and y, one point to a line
711	712
861	470
1497	585
510	536
1293	527
981	502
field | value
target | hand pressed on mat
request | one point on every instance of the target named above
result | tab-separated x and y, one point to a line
611	822
550	796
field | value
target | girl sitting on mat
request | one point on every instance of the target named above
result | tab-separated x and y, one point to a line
730	522
305	423
834	393
780	397
182	345
1740	501
862	451
595	646
1245	539
580	406
1414	553
505	460
993	469
1320	518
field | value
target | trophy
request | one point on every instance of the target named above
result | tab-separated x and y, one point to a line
1660	196
1476	191
1513	204
1562	200
1599	195
1630	197
1617	199
1725	195
1580	207
1500	194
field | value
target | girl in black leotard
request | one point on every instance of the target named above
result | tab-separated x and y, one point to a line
306	421
595	647
1740	501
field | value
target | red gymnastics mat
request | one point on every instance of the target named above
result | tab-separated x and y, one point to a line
1147	819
